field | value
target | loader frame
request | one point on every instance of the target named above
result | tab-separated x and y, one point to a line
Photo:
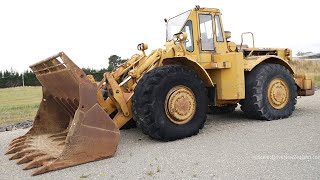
217	69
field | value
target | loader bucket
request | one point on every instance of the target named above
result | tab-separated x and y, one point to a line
70	127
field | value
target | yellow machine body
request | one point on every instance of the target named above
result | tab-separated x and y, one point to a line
224	67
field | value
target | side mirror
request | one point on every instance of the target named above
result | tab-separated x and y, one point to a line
228	34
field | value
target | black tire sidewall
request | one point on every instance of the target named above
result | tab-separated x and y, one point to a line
256	104
148	102
166	126
287	78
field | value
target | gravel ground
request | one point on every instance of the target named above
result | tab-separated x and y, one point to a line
229	147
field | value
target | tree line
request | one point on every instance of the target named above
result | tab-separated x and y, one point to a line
11	78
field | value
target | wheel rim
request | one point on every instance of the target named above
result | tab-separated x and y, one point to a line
180	104
278	93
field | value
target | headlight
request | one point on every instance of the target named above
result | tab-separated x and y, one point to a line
142	46
175	38
181	36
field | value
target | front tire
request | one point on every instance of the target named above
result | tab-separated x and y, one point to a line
270	93
170	103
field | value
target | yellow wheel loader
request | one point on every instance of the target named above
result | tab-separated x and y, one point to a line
166	93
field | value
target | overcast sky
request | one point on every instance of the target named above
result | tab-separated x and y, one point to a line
90	31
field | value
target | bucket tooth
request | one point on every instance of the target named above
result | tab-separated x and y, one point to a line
43	169
37	162
16	149
30	157
19	144
63	138
20	137
17	140
21	154
59	134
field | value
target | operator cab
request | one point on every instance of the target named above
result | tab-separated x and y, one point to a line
204	29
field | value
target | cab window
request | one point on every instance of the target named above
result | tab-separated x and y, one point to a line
219	33
189	41
206	32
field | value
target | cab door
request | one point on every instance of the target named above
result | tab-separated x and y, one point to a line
206	37
212	38
219	36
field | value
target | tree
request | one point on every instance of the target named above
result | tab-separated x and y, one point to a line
97	74
10	79
30	79
115	61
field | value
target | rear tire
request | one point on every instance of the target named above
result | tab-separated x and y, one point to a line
150	102
270	93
